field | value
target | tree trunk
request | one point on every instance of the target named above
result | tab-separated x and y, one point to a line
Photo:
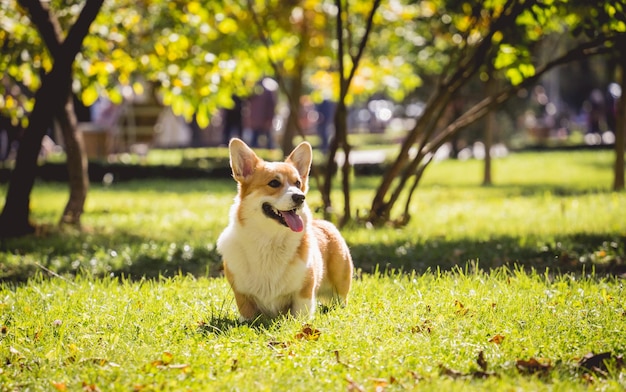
293	120
428	141
620	132
77	164
490	129
14	220
55	87
341	131
52	34
341	128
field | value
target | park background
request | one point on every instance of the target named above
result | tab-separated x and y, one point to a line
482	194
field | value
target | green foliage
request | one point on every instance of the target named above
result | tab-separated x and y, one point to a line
200	52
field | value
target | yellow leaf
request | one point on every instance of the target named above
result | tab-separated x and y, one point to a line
167	358
193	7
227	26
9	102
138	88
202	117
59	386
308	333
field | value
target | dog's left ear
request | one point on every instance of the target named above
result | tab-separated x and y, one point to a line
301	157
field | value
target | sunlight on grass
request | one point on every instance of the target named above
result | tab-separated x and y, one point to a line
398	331
544	210
471	295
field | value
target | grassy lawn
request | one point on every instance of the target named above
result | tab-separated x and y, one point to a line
507	287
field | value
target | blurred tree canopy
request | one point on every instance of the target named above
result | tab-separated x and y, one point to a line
480	41
199	52
202	52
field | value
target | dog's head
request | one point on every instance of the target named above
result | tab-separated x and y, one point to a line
277	189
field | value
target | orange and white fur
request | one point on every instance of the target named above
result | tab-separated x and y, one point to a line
277	258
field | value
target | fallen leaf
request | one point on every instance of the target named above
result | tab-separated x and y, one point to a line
167	358
90	387
533	365
461	310
497	339
423	328
597	362
59	386
308	333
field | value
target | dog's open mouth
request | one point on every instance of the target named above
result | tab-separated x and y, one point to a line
289	218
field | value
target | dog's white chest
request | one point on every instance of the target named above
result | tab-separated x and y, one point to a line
263	266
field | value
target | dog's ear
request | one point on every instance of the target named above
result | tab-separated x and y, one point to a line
301	157
243	160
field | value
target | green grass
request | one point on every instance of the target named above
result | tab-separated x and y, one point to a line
520	271
399	332
545	211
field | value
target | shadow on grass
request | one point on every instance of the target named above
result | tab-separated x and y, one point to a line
579	253
219	323
527	189
135	257
98	255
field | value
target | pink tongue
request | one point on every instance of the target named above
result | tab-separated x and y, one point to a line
293	220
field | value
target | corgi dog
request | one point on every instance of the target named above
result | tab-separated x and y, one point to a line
277	258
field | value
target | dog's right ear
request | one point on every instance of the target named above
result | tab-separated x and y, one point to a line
243	160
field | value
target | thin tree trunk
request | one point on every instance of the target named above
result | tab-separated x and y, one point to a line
77	164
406	217
490	129
620	132
293	120
381	205
341	128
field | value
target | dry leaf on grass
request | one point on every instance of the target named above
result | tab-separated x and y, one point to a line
533	365
598	362
308	333
497	339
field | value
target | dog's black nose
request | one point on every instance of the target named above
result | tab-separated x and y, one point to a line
298	198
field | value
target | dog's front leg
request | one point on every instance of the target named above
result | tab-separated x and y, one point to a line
303	306
248	309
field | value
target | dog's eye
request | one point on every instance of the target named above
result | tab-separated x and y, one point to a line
274	184
298	184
